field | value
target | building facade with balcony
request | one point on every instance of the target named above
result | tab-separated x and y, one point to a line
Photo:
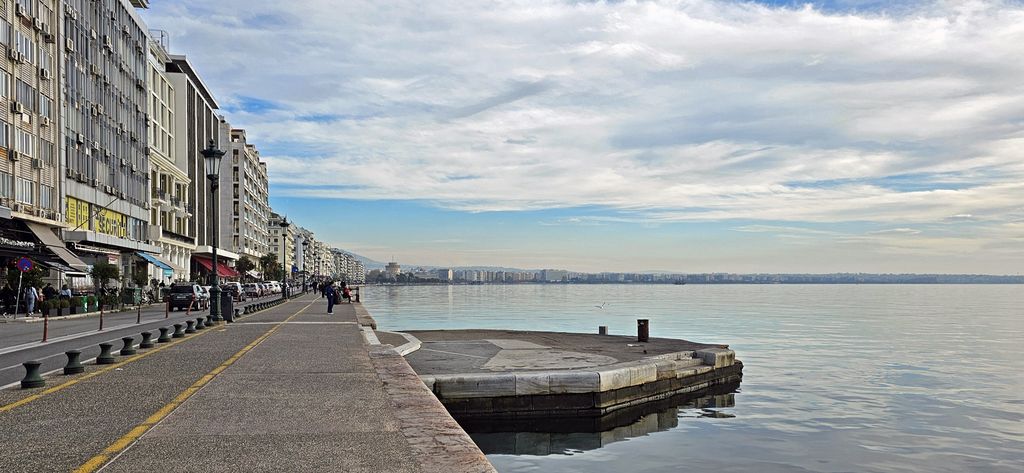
171	208
103	71
244	192
282	243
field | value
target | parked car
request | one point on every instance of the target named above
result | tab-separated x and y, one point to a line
183	296
236	290
264	289
252	290
275	287
206	295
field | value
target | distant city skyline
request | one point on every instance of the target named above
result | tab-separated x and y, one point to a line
698	136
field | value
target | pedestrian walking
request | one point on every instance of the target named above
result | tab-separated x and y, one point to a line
49	292
31	296
331	296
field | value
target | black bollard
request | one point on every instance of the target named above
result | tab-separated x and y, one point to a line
105	357
602	330
32	378
127	349
191	326
178	331
164	335
209	321
74	366
147	340
643	330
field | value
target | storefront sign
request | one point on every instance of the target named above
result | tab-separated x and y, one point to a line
16	243
106	221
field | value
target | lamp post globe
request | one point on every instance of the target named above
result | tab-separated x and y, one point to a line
213	157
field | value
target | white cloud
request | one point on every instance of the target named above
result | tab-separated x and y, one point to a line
674	110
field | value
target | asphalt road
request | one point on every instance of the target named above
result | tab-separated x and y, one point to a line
20	342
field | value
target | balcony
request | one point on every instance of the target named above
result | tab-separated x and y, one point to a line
160	196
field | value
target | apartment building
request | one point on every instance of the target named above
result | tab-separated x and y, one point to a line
171	209
103	70
282	242
244	192
31	178
347	268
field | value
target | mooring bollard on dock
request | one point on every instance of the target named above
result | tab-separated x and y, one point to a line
191	328
209	321
106	358
199	323
164	335
643	330
147	340
602	330
32	378
127	349
74	366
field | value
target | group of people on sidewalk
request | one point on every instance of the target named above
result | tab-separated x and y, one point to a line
29	298
335	294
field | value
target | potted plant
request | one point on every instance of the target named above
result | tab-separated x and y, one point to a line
89	304
44	307
76	305
64	304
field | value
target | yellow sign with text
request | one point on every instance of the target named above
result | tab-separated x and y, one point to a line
80	215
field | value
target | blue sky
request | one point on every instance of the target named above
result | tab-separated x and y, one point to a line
676	135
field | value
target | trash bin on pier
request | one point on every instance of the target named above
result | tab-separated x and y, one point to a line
227	306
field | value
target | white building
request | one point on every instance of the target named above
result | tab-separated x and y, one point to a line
244	197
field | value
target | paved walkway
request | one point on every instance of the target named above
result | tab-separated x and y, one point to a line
287	389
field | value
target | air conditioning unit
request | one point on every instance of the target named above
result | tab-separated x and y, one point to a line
14	156
107	43
21	58
18	207
19	10
95	69
12	54
80	177
98	110
80	138
95	182
49	38
69	173
37	24
37	163
45	74
69	44
120	194
17	107
44	121
125	30
108	189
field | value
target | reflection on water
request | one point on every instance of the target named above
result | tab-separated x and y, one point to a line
836	378
573	435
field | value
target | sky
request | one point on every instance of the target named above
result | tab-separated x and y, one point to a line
662	135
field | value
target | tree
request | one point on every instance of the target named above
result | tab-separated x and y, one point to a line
32	278
103	272
244	265
271	268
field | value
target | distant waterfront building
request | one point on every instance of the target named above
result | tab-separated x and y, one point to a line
554	275
393	269
282	242
445	274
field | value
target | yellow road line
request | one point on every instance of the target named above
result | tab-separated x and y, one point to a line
128	439
68	384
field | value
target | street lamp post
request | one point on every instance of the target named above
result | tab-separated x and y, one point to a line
284	257
213	157
305	244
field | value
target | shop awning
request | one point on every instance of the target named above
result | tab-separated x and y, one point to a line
252	273
167	269
223	270
56	246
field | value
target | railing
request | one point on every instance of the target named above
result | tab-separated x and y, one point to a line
178	237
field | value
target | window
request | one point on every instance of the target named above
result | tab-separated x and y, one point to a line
5	84
26	47
45	196
46	152
5	32
23	143
26	95
45	106
5	130
24	191
6	184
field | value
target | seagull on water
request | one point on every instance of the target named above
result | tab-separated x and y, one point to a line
601	306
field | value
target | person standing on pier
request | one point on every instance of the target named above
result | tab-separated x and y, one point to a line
331	294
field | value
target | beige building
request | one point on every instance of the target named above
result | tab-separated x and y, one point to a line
169	180
244	194
282	242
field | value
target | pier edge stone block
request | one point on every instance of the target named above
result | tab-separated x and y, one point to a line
628	376
474	385
532	383
717	357
574	382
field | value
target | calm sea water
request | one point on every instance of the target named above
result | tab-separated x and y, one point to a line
837	378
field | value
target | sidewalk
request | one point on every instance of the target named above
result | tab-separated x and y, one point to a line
308	398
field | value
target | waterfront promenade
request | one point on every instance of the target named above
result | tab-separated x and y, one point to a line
286	389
